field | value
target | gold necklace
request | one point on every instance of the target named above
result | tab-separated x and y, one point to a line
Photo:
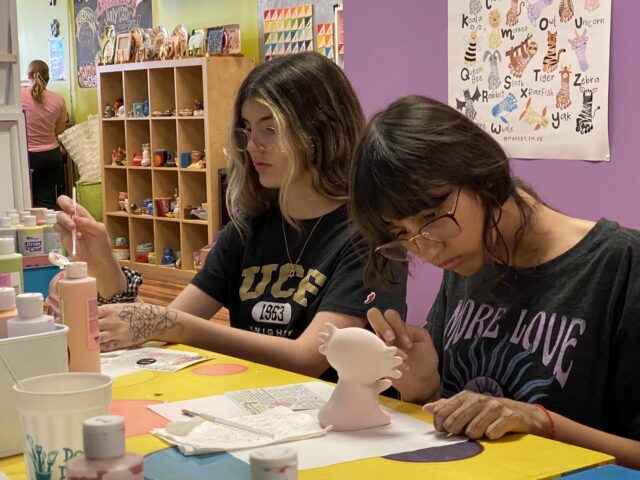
292	272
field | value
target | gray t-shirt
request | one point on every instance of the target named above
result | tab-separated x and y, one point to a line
565	334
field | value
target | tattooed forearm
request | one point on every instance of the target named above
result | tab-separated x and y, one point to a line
145	320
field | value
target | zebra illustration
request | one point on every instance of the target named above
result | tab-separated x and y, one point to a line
467	103
506	106
551	59
584	121
494	76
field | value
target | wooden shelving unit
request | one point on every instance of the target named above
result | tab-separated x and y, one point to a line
171	84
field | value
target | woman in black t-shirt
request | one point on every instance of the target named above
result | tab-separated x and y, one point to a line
288	263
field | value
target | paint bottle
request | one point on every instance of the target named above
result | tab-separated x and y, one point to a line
52	239
14	219
6	231
10	211
104	452
274	463
7	308
30	237
11	273
39	213
79	311
30	319
22	214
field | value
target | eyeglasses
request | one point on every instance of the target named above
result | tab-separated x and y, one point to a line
439	229
263	138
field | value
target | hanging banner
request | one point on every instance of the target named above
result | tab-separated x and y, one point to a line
534	74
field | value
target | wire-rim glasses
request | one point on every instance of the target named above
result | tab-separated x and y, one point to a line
263	138
439	230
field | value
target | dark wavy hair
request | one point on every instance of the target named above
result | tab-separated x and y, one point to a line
415	147
319	120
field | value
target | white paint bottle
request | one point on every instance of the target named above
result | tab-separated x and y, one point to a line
30	319
30	237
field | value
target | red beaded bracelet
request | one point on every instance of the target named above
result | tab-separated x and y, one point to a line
551	423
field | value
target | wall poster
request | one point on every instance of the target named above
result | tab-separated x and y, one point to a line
534	74
91	16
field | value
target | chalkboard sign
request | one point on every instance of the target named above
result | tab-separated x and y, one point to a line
91	16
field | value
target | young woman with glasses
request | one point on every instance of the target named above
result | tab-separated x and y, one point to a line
536	326
289	262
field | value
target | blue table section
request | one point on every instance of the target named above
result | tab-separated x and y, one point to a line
607	472
36	279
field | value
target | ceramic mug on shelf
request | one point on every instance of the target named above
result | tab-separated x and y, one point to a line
185	159
161	157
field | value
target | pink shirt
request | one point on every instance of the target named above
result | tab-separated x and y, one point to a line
43	119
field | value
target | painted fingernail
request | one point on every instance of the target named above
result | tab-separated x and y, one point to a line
388	335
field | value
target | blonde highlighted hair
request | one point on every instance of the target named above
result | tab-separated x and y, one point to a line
38	72
318	119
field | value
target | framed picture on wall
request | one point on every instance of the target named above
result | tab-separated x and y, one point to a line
215	40
123	47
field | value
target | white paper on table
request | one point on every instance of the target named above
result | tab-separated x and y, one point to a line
403	434
122	362
197	436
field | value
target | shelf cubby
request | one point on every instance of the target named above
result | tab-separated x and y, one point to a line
167	235
139	185
113	136
162	90
194	237
137	134
189	81
163	136
136	88
111	89
165	183
191	135
113	184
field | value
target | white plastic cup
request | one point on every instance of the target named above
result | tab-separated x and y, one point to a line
51	410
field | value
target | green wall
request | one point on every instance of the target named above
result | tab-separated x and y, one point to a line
34	17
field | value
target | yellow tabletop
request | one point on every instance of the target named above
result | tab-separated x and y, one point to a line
513	457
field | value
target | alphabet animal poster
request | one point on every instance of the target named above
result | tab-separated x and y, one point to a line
534	74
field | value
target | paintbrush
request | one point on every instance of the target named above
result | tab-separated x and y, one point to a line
228	423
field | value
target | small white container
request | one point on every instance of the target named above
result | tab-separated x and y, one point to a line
274	463
46	353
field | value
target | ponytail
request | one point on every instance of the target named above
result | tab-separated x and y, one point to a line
39	73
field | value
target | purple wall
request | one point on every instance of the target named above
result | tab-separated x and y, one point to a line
399	48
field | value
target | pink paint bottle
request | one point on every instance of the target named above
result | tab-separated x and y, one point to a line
79	311
104	453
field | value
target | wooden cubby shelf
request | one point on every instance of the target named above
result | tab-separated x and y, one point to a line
169	87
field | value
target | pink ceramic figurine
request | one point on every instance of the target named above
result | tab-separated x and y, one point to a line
361	360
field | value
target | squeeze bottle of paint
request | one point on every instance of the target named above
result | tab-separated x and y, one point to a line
30	319
52	240
104	452
79	311
7	308
11	274
30	237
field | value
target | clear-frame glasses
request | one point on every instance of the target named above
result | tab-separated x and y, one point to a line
264	138
439	229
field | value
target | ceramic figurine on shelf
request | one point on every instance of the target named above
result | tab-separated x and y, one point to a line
180	32
137	44
196	43
109	111
362	361
107	44
158	37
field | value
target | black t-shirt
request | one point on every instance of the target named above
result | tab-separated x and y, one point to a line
250	275
565	334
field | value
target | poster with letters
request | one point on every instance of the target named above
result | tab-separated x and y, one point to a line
91	16
534	74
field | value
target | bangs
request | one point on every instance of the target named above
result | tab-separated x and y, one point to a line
384	189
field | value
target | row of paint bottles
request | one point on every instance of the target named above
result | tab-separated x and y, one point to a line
31	236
